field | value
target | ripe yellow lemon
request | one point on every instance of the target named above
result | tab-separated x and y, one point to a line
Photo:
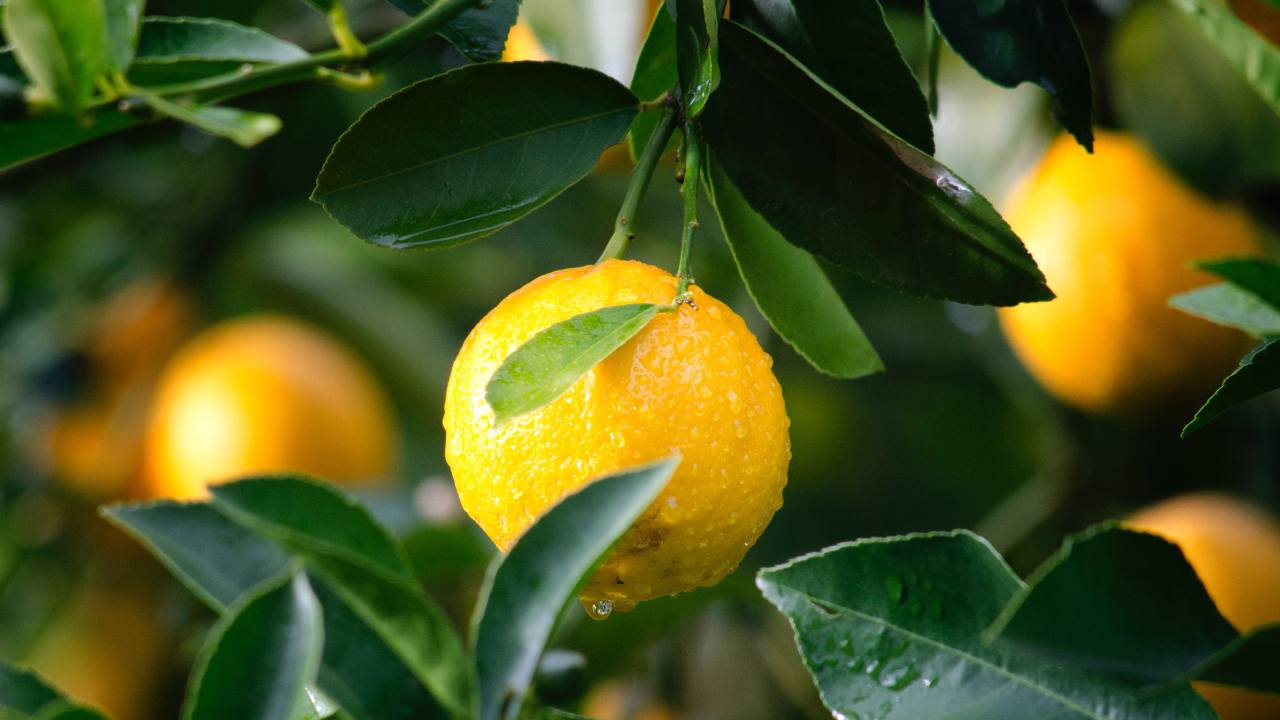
1235	549
1113	233
266	394
694	381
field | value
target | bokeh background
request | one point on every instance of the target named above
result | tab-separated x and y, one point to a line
115	254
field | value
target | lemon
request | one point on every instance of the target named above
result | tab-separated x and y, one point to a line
1235	549
694	381
618	700
1113	233
266	394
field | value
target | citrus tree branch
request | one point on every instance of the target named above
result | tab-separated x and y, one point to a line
624	226
692	166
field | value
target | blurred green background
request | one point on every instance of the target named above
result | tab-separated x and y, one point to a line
954	434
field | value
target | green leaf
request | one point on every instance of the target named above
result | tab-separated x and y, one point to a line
527	590
66	710
479	33
835	183
1226	304
848	45
554	714
122	18
347	549
1252	55
790	288
61	46
1172	87
697	25
893	627
654	75
1128	604
259	657
466	153
1259	276
26	140
184	49
1029	41
550	362
24	692
317	515
217	559
1257	373
242	127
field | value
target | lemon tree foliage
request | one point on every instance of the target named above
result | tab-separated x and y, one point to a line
24	696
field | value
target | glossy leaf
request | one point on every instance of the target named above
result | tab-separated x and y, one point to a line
22	691
549	363
1251	54
1257	373
892	627
217	559
242	127
835	183
1128	604
1162	67
790	288
259	657
122	19
26	140
464	154
61	46
1226	304
848	45
1259	276
527	590
1029	41
697	45
479	33
313	514
183	49
654	75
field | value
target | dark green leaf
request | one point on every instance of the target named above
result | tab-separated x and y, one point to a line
313	514
1258	373
1259	276
654	75
1248	662
892	627
479	33
61	46
554	714
25	140
1128	604
66	710
1028	41
527	590
1227	304
835	183
22	691
242	127
791	290
1252	55
259	657
697	45
549	363
122	18
464	154
1171	86
9	67
848	45
188	39
216	559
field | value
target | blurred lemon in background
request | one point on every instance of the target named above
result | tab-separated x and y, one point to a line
522	44
266	394
1113	233
694	381
617	700
1235	549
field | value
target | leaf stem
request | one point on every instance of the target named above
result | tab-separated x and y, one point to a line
348	43
689	188
624	226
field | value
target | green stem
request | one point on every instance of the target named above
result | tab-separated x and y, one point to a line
348	43
932	53
624	227
689	188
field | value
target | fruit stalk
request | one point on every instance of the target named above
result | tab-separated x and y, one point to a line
624	226
692	164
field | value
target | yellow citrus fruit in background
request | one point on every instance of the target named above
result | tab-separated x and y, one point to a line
1235	549
266	394
523	44
616	700
694	382
1113	233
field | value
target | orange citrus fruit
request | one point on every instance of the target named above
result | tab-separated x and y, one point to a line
694	381
1235	549
617	700
1113	233
266	394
